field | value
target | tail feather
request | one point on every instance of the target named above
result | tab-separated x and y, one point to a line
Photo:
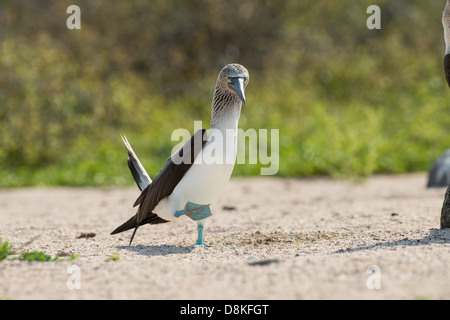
137	169
131	223
142	180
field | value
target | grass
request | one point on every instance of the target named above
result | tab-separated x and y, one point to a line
348	101
425	296
36	256
4	249
5	252
41	256
352	140
114	257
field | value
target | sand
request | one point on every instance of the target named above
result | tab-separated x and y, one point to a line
270	238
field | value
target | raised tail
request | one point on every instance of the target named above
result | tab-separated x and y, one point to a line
137	169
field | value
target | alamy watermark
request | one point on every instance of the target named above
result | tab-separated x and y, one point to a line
228	146
74	280
374	280
74	20
374	20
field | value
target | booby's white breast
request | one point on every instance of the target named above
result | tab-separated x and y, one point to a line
208	176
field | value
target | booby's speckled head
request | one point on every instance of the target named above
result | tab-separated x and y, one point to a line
234	77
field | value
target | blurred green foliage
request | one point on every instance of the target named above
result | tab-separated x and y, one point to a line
5	249
348	101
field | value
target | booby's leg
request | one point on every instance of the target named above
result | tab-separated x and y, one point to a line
199	242
197	212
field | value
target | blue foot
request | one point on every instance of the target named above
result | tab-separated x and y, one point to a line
195	211
199	242
203	245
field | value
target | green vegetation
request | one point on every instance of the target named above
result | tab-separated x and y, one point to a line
36	256
348	101
4	249
41	256
114	257
5	252
425	296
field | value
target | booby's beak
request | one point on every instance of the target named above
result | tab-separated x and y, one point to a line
237	85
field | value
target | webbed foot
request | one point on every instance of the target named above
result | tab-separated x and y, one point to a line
195	211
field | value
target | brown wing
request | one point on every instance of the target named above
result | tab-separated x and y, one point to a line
164	184
447	68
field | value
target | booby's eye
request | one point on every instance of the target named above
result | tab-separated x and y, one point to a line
229	80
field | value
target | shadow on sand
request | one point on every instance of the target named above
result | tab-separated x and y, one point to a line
158	250
437	236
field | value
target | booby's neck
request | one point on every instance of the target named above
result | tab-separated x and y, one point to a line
225	110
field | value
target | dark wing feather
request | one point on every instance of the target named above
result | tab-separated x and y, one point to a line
134	173
164	183
447	68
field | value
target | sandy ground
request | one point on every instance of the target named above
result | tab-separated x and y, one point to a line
270	239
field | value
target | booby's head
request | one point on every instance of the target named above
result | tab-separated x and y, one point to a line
229	96
234	78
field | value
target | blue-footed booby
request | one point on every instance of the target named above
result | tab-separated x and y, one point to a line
190	183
